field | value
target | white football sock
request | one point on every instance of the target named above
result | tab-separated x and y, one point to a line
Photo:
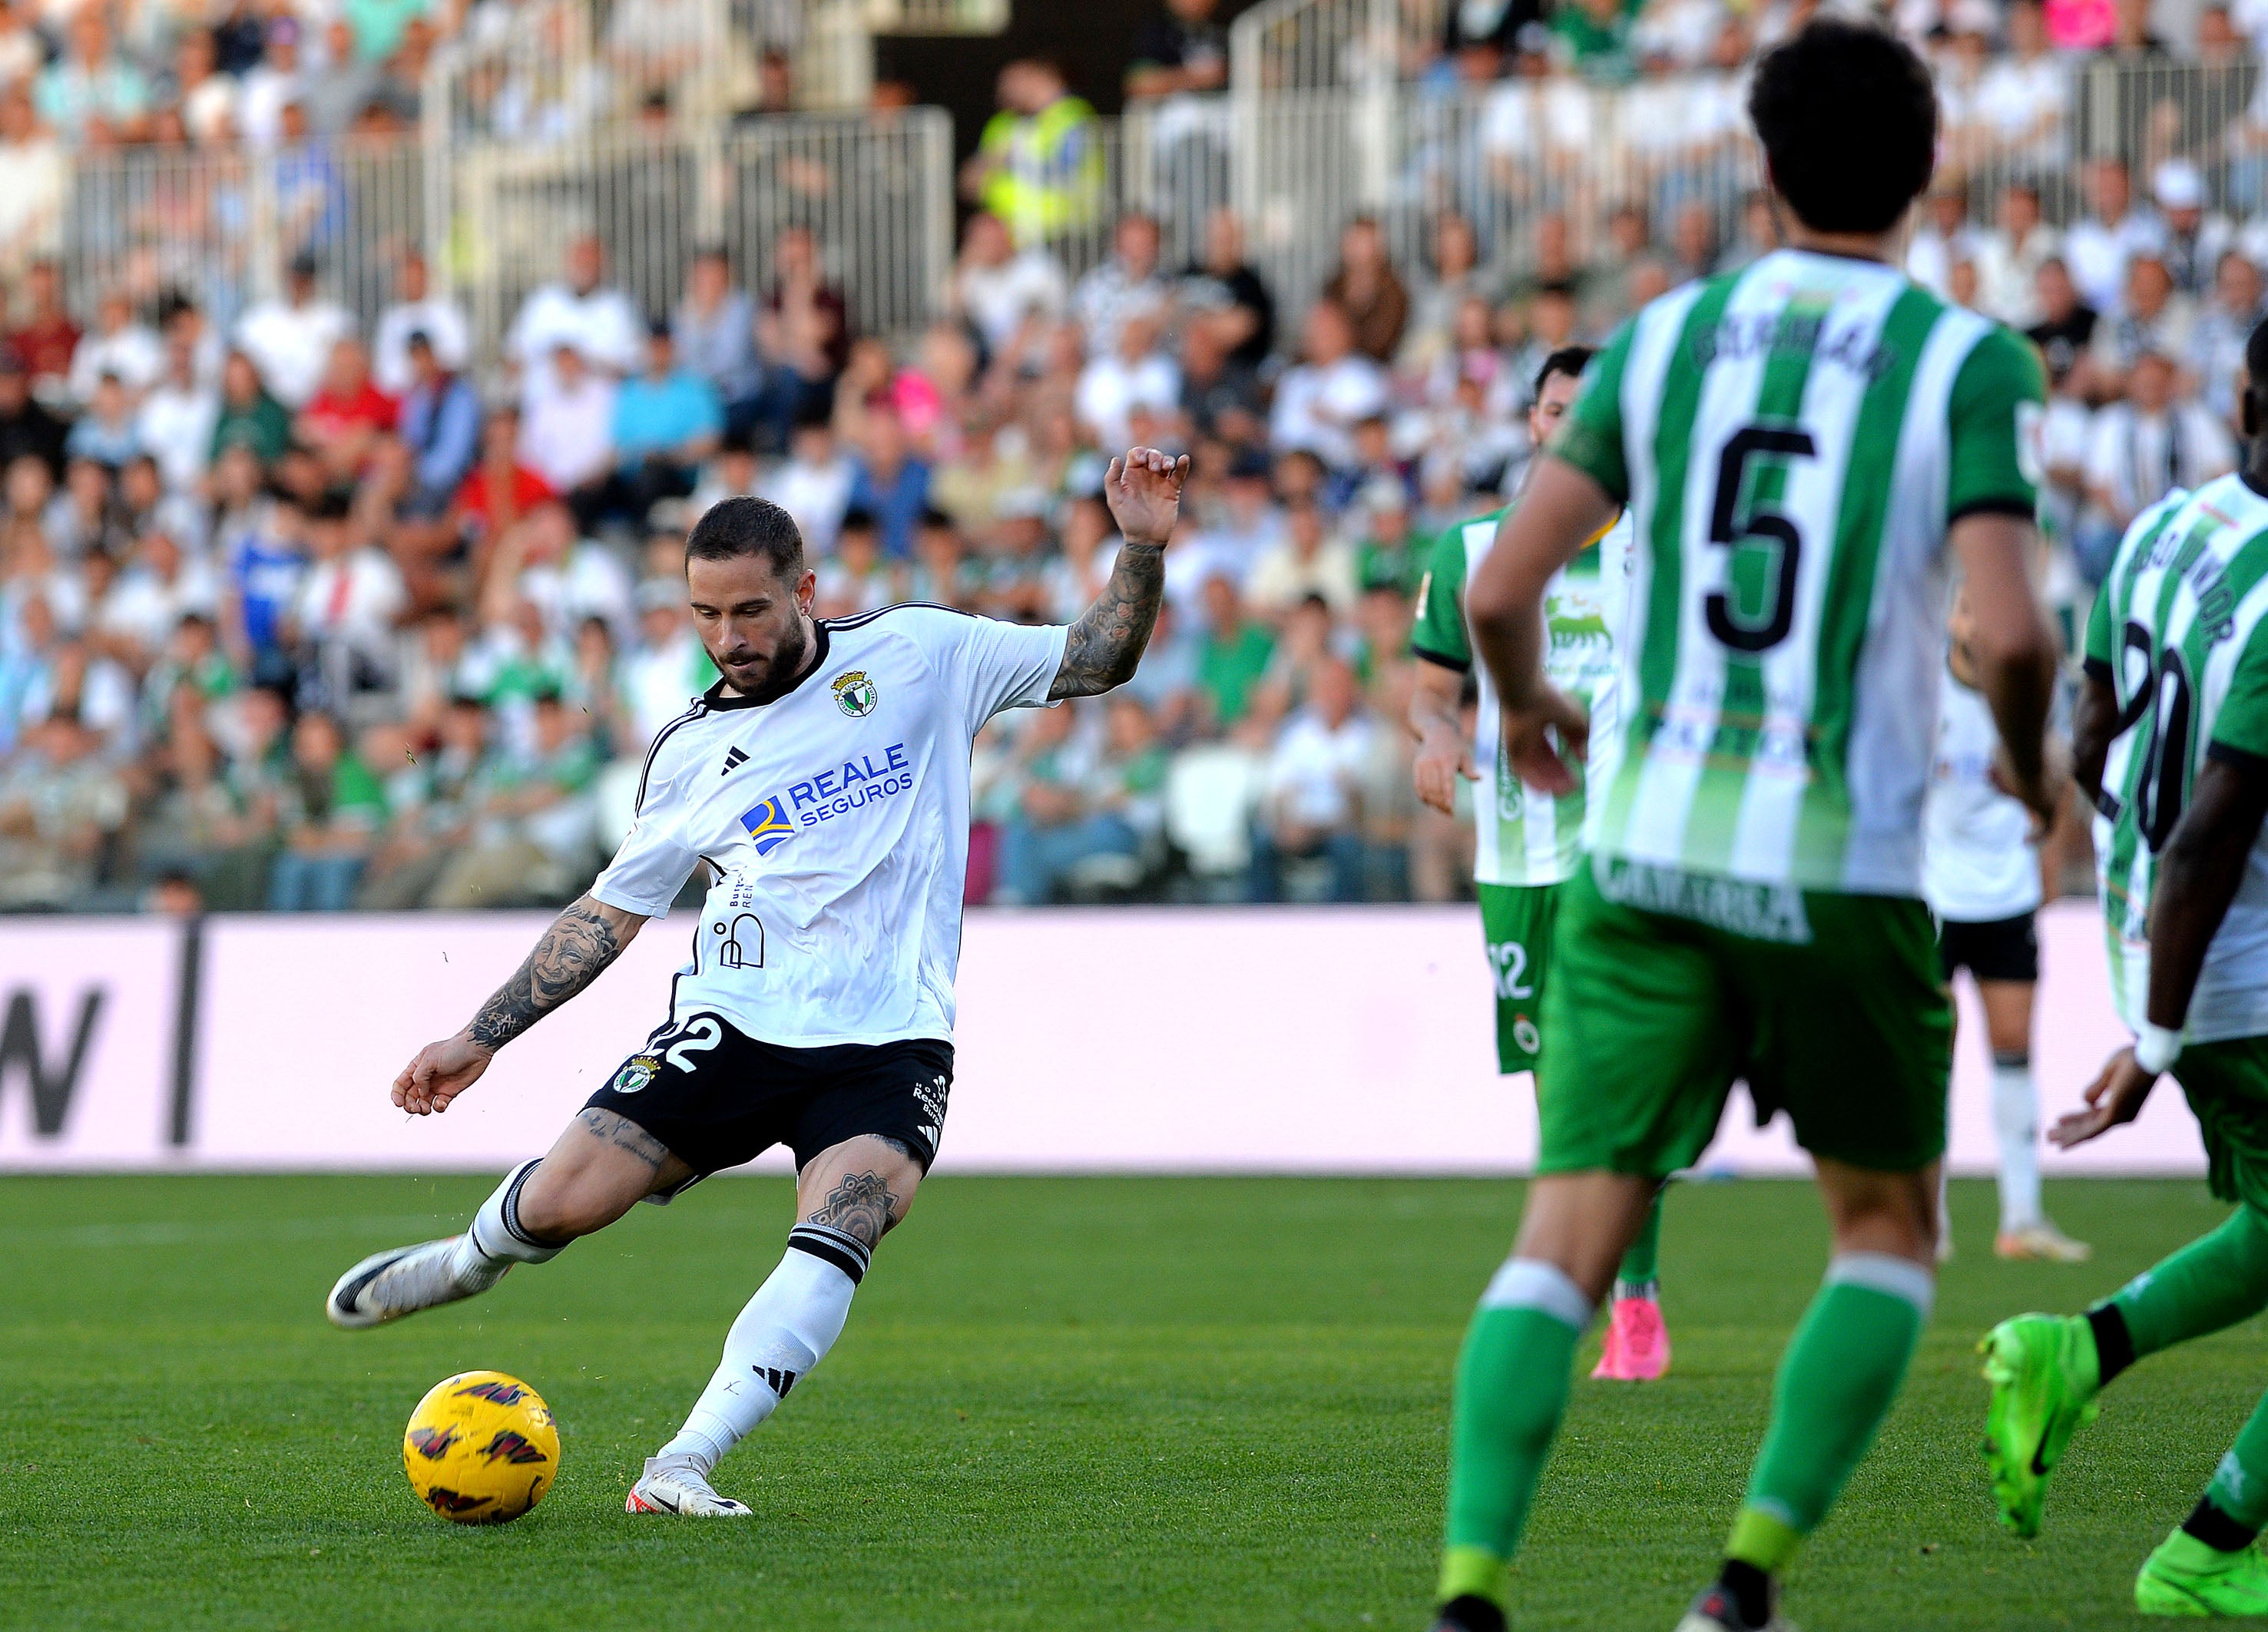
786	1329
494	1240
2015	1120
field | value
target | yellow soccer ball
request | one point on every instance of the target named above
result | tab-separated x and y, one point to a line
481	1448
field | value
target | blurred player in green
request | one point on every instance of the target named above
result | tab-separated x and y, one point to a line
2170	739
1807	446
1528	841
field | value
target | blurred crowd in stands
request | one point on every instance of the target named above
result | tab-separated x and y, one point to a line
301	613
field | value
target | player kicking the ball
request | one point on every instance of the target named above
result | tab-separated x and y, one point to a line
1528	841
2171	739
825	783
1802	444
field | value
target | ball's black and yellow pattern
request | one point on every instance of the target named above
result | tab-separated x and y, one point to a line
481	1448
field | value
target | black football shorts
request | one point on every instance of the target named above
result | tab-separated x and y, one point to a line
2001	948
718	1097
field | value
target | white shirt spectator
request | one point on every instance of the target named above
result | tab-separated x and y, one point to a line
1531	121
144	606
1108	294
2007	273
355	597
999	298
2097	253
134	353
567	433
589	583
816	495
1317	407
1110	388
437	318
2139	457
603	325
1315	771
2022	103
175	426
260	104
292	345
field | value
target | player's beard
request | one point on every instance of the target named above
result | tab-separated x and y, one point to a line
786	666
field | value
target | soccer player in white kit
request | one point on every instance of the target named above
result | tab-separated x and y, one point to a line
1981	877
824	781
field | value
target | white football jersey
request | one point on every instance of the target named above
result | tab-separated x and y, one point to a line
835	819
1978	862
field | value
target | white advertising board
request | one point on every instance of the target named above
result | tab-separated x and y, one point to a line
1116	1040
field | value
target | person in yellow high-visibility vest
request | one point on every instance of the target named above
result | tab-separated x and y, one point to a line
1039	165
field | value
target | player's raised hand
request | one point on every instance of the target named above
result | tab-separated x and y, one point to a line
2113	1099
441	1071
1144	491
1546	736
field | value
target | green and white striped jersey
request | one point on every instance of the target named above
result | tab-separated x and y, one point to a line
2176	632
1523	834
1792	440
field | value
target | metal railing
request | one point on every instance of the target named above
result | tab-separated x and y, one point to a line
222	227
875	192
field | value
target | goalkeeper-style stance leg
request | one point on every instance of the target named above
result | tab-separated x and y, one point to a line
2046	1371
846	1197
596	1171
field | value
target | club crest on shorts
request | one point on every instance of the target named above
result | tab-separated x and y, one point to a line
855	693
638	1071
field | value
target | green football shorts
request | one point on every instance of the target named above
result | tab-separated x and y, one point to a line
1516	921
2226	1086
1667	987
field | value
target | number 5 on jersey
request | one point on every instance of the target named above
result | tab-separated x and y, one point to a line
1748	454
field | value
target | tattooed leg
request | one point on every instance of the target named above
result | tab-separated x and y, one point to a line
862	1186
846	1197
601	1165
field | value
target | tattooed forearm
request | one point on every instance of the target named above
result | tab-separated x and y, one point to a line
582	941
624	1134
1107	642
860	1206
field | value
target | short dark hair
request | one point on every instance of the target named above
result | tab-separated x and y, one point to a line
1848	119
1569	360
2256	367
748	526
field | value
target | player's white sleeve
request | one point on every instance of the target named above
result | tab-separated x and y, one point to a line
651	866
990	664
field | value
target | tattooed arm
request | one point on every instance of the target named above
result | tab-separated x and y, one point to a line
1144	490
582	941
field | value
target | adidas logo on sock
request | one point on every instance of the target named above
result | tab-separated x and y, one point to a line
778	1381
733	760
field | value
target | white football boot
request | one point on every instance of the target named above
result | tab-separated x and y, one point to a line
674	1485
402	1280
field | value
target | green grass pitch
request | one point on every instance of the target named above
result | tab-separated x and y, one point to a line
1060	1403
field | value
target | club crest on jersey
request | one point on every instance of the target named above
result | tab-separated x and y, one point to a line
855	693
638	1072
768	824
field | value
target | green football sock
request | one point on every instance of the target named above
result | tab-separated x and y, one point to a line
2214	1282
1837	1380
1639	1271
1512	1389
2240	1484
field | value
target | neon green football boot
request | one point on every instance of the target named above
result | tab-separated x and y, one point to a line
2185	1577
2044	1373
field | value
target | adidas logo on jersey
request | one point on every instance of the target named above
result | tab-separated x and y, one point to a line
733	760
